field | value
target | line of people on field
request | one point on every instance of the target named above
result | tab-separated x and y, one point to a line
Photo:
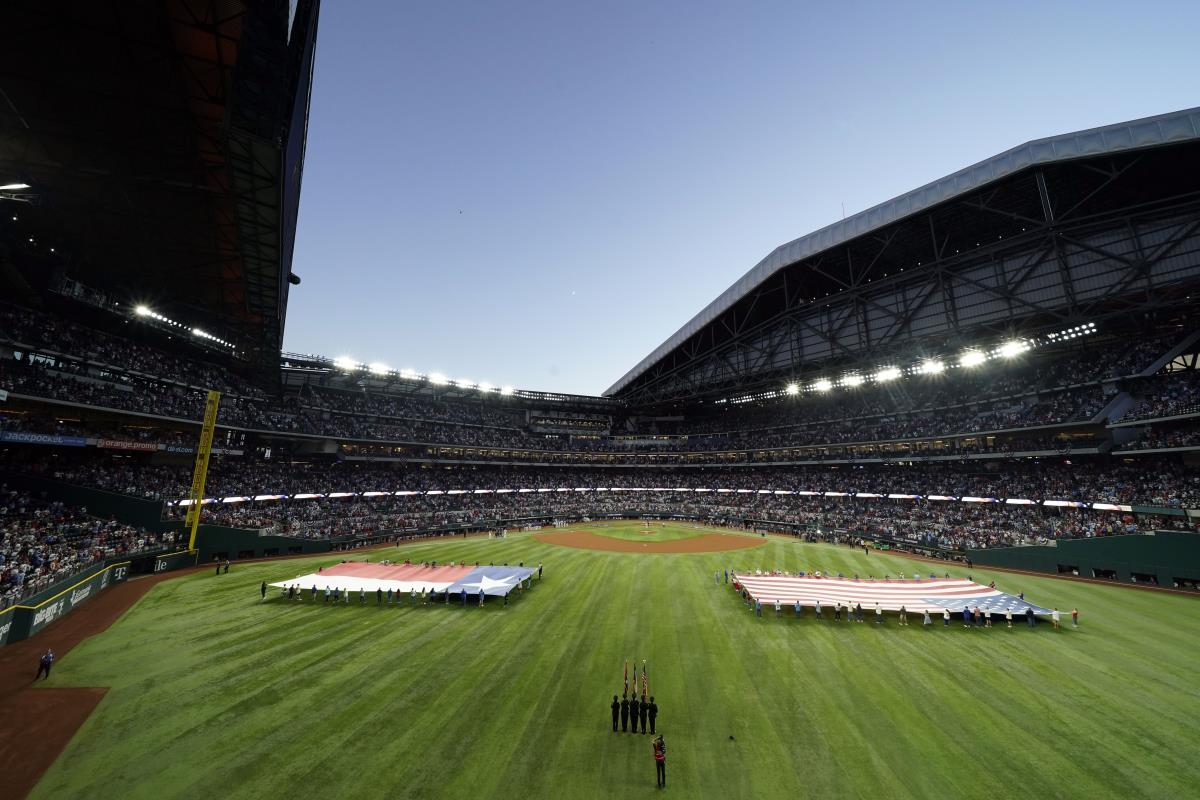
632	710
977	618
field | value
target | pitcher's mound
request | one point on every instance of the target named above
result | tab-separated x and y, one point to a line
705	543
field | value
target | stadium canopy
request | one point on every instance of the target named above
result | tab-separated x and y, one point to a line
159	147
1096	224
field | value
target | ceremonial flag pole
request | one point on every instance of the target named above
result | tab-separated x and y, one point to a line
645	681
626	676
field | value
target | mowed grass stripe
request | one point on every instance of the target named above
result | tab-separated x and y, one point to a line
214	691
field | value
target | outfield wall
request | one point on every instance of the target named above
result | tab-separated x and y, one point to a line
1166	555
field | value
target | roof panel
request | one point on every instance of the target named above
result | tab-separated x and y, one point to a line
1168	128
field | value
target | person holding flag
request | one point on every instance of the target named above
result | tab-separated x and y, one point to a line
634	709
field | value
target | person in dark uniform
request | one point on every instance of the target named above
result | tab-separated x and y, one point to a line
263	590
644	709
218	567
227	566
624	713
653	713
44	664
616	709
633	714
539	570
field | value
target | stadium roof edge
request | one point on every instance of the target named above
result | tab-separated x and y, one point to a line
1176	126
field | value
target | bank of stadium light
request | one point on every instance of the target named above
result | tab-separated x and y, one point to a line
823	385
853	379
506	390
887	374
1012	349
486	387
792	389
438	379
409	374
345	363
378	368
931	367
14	187
971	358
205	335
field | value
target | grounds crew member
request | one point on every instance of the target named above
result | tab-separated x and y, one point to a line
644	709
44	664
616	709
653	713
633	713
624	713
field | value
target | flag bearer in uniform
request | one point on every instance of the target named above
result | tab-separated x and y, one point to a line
653	713
644	711
634	707
616	711
624	713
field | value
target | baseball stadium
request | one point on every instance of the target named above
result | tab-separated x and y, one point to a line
912	509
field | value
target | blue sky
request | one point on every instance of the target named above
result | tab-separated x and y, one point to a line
538	194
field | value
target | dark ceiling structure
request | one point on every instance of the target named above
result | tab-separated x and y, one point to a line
161	146
1097	226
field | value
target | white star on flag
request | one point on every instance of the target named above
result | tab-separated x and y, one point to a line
486	583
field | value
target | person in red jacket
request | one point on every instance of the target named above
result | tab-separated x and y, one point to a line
660	760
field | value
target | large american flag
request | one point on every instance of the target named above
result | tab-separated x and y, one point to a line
915	595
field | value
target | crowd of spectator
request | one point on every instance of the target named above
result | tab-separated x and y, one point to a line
843	498
1053	387
1170	395
43	541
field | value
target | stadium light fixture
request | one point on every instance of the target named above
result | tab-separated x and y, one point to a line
438	379
378	368
932	367
409	374
506	390
971	358
887	374
12	187
852	379
484	386
142	311
823	385
466	383
344	362
1012	349
792	388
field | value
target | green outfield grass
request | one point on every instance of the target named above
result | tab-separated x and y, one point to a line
637	532
216	694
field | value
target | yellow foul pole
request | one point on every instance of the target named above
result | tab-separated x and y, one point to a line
200	473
